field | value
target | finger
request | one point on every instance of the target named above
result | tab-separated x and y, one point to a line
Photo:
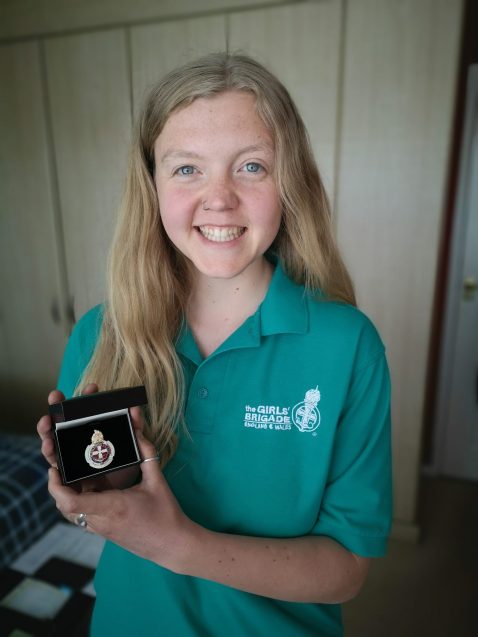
49	452
74	518
92	485
46	436
137	418
44	424
91	388
44	427
55	396
150	469
66	498
72	500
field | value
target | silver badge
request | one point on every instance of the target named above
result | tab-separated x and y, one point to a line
100	453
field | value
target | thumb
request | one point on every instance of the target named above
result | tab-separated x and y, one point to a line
137	418
150	459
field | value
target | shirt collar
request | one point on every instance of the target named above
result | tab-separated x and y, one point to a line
187	346
284	309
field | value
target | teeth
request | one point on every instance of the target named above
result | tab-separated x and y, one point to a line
213	233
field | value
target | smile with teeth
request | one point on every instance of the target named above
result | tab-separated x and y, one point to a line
221	234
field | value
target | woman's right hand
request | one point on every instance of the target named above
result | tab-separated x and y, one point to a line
120	479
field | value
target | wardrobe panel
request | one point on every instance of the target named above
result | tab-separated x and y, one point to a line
159	48
32	316
398	97
89	93
20	18
301	45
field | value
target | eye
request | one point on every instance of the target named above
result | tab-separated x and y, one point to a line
185	171
252	167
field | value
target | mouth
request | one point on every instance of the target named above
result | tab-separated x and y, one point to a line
221	234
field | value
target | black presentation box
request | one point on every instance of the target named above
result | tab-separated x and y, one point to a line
94	433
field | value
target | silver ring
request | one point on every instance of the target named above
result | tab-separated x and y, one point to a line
80	520
150	459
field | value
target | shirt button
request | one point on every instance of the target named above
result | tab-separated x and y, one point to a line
202	392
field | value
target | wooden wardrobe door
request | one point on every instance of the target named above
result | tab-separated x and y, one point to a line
32	315
301	45
398	97
159	48
89	91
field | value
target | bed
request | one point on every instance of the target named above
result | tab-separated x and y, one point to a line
26	508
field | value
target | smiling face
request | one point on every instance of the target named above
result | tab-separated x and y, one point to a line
214	177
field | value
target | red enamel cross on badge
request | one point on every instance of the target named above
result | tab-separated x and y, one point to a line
100	453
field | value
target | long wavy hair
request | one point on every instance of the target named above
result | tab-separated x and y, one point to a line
149	279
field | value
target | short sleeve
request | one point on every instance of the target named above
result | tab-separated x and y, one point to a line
79	350
356	508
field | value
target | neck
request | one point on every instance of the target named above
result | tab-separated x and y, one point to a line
251	284
218	306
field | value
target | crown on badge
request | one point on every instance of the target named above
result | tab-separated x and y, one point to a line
97	437
312	397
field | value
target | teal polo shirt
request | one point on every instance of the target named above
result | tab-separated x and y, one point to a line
289	423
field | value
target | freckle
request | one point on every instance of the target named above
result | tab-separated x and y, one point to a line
274	560
233	559
220	561
267	546
287	558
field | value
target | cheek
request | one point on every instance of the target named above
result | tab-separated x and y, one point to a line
176	206
269	209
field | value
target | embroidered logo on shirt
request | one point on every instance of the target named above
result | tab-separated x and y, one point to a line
305	415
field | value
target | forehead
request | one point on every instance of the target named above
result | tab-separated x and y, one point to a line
231	114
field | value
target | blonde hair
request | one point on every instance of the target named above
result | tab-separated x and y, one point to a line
148	278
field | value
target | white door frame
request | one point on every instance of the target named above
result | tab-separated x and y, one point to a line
455	277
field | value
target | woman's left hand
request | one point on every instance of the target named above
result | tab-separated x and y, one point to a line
145	519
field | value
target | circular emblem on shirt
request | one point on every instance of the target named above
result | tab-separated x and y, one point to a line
100	453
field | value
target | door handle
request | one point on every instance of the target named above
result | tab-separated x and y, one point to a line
470	285
55	311
70	311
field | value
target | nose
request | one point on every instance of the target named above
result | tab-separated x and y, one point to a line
219	195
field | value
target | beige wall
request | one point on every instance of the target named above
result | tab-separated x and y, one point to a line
375	82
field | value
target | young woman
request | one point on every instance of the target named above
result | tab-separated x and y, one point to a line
268	390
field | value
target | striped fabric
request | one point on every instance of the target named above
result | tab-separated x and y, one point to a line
26	508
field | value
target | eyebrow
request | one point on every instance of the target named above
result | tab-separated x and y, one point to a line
178	152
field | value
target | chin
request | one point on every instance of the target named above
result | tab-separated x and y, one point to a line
220	271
